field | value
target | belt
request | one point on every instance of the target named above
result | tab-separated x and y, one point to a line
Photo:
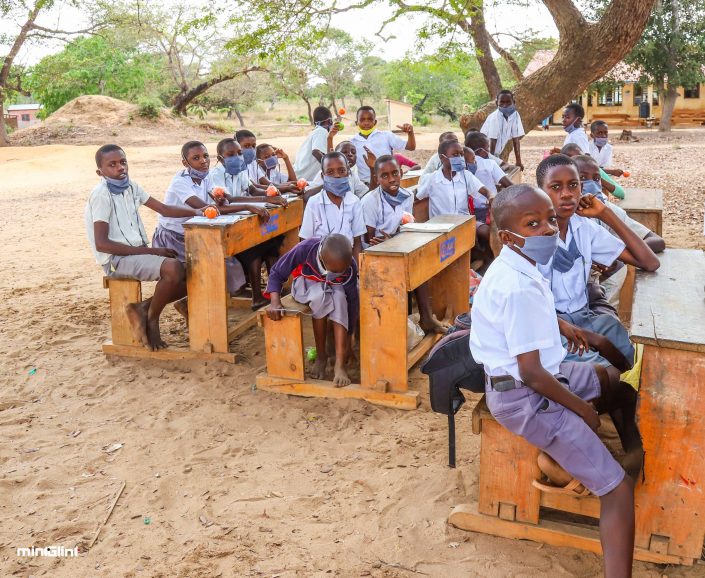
502	382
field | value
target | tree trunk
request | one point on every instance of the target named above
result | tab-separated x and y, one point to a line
3	128
483	52
239	117
508	58
182	100
308	109
669	103
596	46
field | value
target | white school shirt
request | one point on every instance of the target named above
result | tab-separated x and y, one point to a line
496	126
322	217
602	156
358	187
513	313
380	142
237	186
448	197
306	166
489	174
433	164
254	173
275	176
120	212
596	244
380	215
180	189
578	137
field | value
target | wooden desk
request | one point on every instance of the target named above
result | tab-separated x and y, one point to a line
669	319
207	246
411	178
645	206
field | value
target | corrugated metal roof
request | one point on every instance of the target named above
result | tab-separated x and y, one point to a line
13	107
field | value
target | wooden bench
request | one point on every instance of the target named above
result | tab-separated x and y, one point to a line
669	319
645	206
388	271
411	178
614	118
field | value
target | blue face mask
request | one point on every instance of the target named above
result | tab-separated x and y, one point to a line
564	260
457	164
600	141
539	249
591	188
117	186
271	162
507	110
339	186
571	127
248	155
397	200
196	174
234	165
472	167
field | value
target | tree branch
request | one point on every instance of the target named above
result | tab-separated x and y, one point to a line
567	17
507	57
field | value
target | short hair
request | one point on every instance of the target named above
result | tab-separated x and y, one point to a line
475	139
339	146
244	133
220	147
549	163
337	246
334	155
384	159
448	135
504	203
261	147
445	145
596	123
321	113
571	147
576	108
104	150
365	108
585	159
192	144
504	91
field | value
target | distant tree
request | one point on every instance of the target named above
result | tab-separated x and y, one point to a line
369	84
238	94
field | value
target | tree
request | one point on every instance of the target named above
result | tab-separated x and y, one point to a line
237	94
369	84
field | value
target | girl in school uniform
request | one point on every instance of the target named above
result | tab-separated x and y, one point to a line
504	125
268	159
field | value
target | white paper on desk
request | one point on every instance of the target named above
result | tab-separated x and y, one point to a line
219	220
427	227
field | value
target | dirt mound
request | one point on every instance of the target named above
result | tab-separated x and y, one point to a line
95	119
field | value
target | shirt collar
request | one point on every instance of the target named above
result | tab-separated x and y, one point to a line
520	264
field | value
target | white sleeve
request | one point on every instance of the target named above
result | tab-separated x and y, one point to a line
489	127
425	184
474	184
100	204
319	142
395	141
182	190
608	158
140	194
604	246
524	312
431	165
358	223
218	177
369	210
306	230
359	188
517	127
497	173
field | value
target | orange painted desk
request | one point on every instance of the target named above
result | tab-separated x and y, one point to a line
411	178
207	246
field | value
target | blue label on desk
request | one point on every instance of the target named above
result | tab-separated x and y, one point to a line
270	226
447	248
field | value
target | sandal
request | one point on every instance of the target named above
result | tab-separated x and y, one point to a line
570	489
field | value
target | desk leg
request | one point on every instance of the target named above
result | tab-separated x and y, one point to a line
670	501
450	289
207	290
383	314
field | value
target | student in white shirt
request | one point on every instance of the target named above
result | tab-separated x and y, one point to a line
248	143
530	389
308	159
601	149
379	142
335	209
434	163
358	187
486	170
504	125
268	158
573	115
384	209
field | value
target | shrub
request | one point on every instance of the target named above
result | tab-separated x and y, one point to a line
149	107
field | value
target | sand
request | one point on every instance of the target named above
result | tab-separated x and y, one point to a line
233	481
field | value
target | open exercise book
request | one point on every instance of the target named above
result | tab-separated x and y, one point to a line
427	227
219	220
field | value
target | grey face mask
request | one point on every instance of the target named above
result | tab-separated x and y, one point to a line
540	248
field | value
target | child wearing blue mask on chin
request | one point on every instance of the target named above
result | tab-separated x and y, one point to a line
248	143
573	115
335	209
311	151
530	388
268	158
504	125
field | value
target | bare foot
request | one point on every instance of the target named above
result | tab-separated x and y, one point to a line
155	337
181	307
318	371
433	326
340	376
137	315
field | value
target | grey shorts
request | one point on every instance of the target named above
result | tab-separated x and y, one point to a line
324	300
140	267
559	432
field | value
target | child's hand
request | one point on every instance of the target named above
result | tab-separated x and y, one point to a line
377	240
261	212
280	201
406	127
590	206
577	340
555	151
334	130
274	309
162	252
590	417
281	154
370	158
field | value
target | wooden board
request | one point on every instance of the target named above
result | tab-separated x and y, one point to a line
122	292
284	346
645	206
515	175
626	297
168	354
669	310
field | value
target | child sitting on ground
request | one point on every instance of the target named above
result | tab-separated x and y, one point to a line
504	125
608	183
434	163
325	279
601	149
380	142
573	115
119	242
308	158
383	209
358	187
248	143
335	209
268	160
530	389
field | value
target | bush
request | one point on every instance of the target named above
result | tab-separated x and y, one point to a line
149	108
421	119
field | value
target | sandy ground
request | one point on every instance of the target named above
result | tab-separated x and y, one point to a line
233	481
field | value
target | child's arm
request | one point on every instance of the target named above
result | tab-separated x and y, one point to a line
357	248
612	186
517	152
614	172
493	145
580	340
171	210
329	139
370	159
278	275
290	172
505	182
637	252
411	137
542	382
104	244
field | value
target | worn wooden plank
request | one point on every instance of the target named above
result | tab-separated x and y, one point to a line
406	243
626	297
582	506
122	292
515	175
411	178
645	206
251	231
284	346
450	287
168	354
668	304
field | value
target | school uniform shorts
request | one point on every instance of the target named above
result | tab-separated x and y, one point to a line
140	267
559	432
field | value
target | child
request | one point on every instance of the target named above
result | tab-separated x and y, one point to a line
485	153
335	209
248	143
607	182
434	163
325	279
380	142
573	124
503	125
308	159
268	161
358	187
601	149
486	170
383	209
191	187
530	389
119	242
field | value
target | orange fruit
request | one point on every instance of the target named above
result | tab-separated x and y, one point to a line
301	184
210	212
218	193
341	111
407	218
626	174
272	191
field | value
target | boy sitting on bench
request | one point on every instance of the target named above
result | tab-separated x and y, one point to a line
119	242
325	279
530	390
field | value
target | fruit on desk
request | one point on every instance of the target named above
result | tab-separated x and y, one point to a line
301	184
272	191
218	193
407	218
210	212
626	174
341	111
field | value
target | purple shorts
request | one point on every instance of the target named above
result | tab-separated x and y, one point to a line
559	432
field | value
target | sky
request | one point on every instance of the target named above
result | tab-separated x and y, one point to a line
360	24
